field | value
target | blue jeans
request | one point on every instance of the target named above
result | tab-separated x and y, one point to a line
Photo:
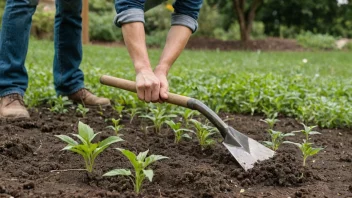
14	36
186	11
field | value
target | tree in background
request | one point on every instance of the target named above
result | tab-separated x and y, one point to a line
244	11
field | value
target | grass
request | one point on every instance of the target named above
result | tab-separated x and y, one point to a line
247	82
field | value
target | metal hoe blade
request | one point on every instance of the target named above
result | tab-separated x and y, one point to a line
246	150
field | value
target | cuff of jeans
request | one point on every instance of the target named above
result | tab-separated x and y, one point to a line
185	20
129	16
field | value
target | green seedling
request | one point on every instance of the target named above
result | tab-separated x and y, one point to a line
58	104
134	111
271	122
119	108
179	132
307	131
307	149
277	138
82	110
187	115
88	150
158	116
101	110
204	133
116	127
139	163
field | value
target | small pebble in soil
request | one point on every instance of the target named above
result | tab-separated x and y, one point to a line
28	186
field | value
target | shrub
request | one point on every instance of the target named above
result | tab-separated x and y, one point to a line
102	28
43	23
316	41
348	46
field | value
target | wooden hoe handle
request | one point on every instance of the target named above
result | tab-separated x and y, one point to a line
131	86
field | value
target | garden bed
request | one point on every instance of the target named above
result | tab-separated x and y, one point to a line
29	152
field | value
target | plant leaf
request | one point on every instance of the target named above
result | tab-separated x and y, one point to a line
85	131
149	174
81	138
67	139
153	158
131	156
186	136
142	155
124	172
314	133
297	144
315	151
110	140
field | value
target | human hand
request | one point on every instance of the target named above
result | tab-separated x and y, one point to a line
164	85
148	86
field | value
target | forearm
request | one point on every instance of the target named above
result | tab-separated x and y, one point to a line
176	41
134	37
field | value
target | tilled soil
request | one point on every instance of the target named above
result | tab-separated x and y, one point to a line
29	152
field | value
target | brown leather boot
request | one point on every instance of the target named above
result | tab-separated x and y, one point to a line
12	106
83	96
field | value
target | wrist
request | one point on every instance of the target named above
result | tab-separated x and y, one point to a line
140	67
162	69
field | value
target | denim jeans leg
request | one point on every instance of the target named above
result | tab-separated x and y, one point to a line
68	77
14	36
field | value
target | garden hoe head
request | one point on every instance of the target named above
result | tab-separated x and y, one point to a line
245	150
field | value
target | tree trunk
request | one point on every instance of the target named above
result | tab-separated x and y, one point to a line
244	21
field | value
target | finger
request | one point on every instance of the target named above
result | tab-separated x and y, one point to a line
140	91
155	92
147	92
163	92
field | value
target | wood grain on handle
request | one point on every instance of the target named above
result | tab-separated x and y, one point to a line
131	86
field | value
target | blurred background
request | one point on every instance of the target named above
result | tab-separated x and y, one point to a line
227	24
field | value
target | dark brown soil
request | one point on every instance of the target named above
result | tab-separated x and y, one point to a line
199	43
29	152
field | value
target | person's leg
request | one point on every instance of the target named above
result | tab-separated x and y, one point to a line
68	77
14	36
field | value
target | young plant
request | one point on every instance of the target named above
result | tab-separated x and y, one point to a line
187	115
119	108
134	110
158	117
277	139
82	110
139	163
179	132
88	150
307	131
117	127
271	122
59	104
307	149
204	133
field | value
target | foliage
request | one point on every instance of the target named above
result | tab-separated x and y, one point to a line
88	150
102	28
307	149
204	133
116	127
119	108
316	41
179	132
325	17
307	131
317	92
348	46
43	23
158	116
82	110
271	122
58	104
139	163
277	138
